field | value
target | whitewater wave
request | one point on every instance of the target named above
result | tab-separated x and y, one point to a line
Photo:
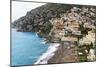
48	54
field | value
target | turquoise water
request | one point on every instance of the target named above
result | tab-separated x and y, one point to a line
27	47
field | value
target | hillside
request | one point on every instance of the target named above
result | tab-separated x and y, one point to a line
73	26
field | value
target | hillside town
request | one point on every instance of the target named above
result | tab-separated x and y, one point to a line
67	30
72	26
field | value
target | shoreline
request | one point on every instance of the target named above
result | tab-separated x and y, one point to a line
45	57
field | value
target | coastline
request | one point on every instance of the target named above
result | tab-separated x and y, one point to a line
67	31
45	57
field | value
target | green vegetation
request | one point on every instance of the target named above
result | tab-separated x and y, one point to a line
82	58
82	49
93	17
47	27
84	31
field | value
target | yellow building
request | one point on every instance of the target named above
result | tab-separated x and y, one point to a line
73	26
69	38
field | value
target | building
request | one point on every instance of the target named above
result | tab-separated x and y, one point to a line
69	38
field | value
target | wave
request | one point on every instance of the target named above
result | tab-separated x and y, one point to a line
48	54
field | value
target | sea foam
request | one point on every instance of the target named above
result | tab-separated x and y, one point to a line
48	54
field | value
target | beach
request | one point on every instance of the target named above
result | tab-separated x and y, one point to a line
48	54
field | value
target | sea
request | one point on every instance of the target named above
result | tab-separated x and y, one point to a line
26	48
